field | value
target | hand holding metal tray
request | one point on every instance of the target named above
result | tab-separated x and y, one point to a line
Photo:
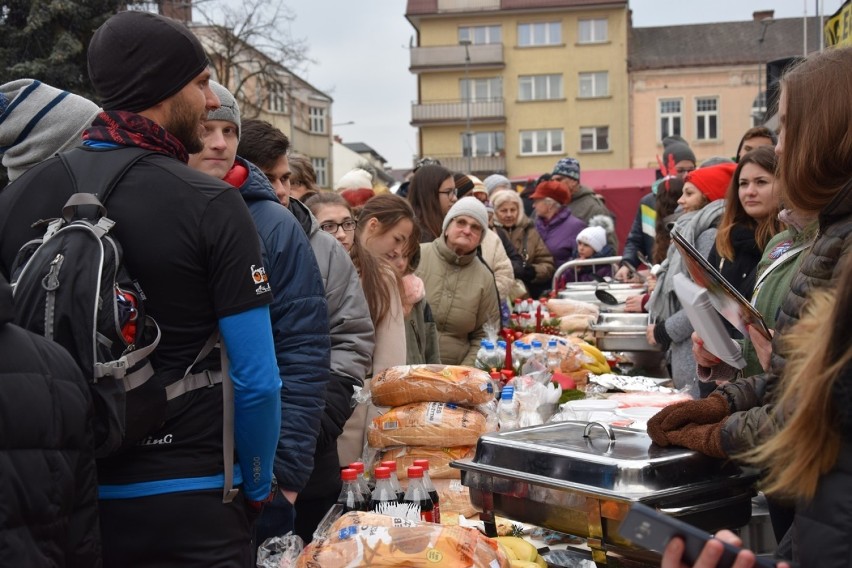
724	297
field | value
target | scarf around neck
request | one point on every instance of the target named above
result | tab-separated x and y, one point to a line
132	129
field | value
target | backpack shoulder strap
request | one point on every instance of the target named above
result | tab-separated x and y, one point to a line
100	171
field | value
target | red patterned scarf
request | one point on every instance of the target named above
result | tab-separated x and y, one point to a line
131	129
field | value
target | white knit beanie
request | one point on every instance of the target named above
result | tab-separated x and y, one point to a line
37	121
470	206
355	179
595	237
495	182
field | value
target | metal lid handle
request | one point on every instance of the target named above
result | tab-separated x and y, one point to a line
606	427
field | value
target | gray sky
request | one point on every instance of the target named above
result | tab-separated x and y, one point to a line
361	55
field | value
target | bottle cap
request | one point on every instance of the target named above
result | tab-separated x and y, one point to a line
508	374
357	466
496	375
536	343
382	473
551	343
507	393
501	343
391	465
423	463
348	474
415	471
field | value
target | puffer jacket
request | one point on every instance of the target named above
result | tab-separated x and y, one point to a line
559	234
421	334
751	398
494	255
299	327
48	481
352	342
463	297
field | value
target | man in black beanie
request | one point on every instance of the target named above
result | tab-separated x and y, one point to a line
190	243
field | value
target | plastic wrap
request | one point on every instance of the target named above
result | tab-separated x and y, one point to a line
280	552
359	539
432	424
570	354
407	384
439	459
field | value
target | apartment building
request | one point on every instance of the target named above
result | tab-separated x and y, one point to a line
511	86
706	82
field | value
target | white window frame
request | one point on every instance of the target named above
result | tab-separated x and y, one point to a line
321	168
493	87
596	81
707	117
547	29
590	30
594	134
277	100
495	143
552	139
316	120
552	87
488	34
669	117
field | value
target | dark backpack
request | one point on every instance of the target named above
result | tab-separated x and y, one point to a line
71	287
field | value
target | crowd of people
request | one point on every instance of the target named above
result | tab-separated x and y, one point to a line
311	292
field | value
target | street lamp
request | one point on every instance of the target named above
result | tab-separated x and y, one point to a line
468	133
761	98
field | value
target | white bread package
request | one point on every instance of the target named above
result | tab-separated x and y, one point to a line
359	539
405	384
439	459
434	424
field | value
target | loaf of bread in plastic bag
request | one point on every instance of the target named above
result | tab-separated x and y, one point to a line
434	424
405	384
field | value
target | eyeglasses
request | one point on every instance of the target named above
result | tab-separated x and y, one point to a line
464	224
451	193
332	227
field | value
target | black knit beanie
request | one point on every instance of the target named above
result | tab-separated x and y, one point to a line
138	59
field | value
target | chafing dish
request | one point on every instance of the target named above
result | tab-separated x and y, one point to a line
585	292
622	332
580	478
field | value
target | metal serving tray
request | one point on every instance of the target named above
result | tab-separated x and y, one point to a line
622	332
580	478
585	292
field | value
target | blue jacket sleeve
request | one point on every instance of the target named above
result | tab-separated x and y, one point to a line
301	335
257	387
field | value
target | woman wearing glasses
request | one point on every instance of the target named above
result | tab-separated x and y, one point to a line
432	192
459	285
334	217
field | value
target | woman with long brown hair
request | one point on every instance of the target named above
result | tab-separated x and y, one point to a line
432	191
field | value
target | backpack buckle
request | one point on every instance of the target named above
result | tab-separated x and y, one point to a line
115	369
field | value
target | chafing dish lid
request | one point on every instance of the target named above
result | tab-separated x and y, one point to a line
629	467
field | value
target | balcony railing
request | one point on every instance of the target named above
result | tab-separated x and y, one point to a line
478	164
453	112
443	57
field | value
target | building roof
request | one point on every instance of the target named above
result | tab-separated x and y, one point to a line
430	7
362	148
726	43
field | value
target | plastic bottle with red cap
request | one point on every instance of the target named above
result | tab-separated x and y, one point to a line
350	495
416	494
430	488
384	493
397	486
363	485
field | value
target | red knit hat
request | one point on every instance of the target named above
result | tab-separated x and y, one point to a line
713	182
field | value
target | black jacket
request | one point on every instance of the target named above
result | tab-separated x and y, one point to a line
48	485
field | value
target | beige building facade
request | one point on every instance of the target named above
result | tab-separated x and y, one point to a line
538	80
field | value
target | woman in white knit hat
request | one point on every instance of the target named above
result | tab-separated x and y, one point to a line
460	287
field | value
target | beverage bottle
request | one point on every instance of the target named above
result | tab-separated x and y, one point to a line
430	488
538	352
501	355
507	413
363	484
530	307
416	494
552	356
518	305
351	496
528	353
391	465
384	493
482	356
518	357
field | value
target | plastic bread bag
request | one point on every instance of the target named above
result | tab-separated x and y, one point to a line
433	424
439	459
280	551
360	539
407	384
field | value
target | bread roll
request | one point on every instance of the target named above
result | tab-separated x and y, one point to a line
431	383
432	424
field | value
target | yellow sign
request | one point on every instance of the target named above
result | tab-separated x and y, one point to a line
838	28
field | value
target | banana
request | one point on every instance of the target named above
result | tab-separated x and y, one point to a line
510	554
593	352
523	564
523	550
542	563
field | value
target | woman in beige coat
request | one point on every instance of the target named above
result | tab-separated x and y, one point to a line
460	287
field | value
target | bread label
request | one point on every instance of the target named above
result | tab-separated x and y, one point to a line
390	425
435	413
434	555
